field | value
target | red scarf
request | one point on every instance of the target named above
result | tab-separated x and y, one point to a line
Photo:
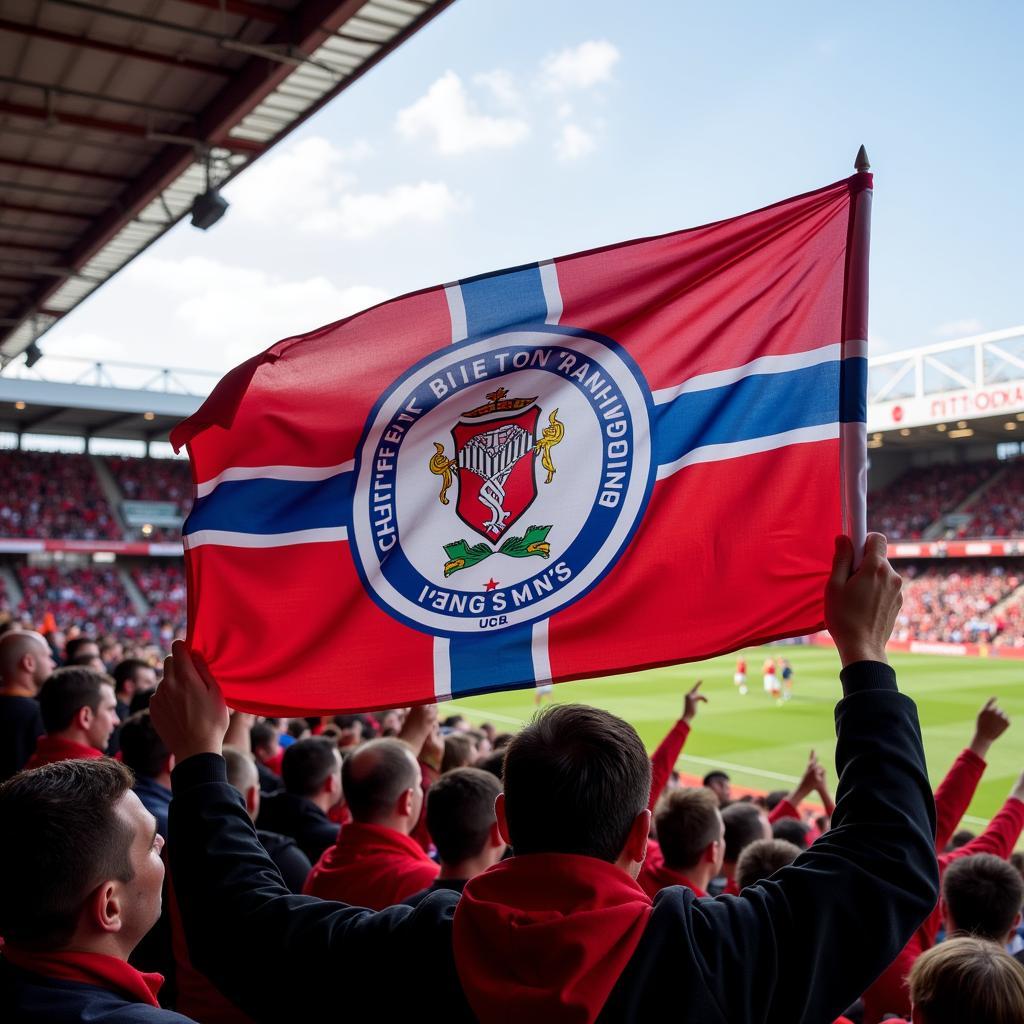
56	748
544	937
653	879
97	969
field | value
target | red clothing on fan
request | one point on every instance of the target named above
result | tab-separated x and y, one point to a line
97	969
954	796
371	866
889	994
274	763
653	879
428	776
663	760
56	748
569	924
783	809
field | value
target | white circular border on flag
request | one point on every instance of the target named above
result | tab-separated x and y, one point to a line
425	551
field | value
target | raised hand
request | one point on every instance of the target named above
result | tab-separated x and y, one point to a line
991	724
693	699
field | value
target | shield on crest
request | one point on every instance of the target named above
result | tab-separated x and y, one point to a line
495	453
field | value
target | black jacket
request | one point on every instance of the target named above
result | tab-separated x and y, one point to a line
295	816
796	949
290	860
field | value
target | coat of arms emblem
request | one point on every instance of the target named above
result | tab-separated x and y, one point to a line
496	451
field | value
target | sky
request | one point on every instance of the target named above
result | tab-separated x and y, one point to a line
509	131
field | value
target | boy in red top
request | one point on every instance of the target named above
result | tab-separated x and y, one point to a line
375	862
80	881
692	840
79	711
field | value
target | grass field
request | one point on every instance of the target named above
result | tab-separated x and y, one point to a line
765	747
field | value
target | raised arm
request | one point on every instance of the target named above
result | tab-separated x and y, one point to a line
237	912
809	940
663	760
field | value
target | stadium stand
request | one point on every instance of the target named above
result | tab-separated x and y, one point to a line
999	512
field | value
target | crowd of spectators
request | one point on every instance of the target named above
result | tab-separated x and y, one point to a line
163	586
999	511
53	495
163	480
957	603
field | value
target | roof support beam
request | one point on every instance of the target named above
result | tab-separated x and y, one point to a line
133	52
74	172
41	211
244	9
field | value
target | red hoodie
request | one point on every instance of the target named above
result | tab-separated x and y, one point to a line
371	866
568	924
655	877
56	748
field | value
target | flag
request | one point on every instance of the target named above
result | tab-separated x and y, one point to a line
628	457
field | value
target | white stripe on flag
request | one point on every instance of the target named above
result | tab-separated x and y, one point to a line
457	311
764	364
272	473
541	659
442	669
552	293
856	347
752	446
231	539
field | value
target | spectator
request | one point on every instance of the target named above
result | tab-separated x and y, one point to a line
311	773
692	840
719	784
83	647
458	751
792	831
982	896
131	676
144	752
744	824
267	750
375	861
967	979
293	864
78	891
461	819
79	713
762	858
561	929
25	662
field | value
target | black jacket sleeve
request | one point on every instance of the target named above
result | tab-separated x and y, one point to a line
802	946
238	914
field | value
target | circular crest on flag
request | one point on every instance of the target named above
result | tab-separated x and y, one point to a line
500	479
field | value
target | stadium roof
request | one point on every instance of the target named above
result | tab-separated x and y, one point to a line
114	113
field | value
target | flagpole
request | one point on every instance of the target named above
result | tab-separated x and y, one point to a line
854	363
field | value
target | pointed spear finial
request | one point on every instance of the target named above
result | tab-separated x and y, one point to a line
861	164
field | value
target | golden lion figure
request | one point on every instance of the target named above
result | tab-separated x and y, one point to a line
551	436
442	466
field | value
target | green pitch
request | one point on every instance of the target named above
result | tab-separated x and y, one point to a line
763	746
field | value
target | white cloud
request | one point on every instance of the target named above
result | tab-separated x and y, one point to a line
501	85
959	328
573	143
309	187
580	67
449	118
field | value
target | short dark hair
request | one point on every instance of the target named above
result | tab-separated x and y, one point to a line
493	763
687	821
774	798
983	895
72	647
375	776
763	858
125	671
791	830
141	747
744	824
460	812
63	839
458	751
261	734
67	690
297	726
961	838
715	776
575	779
307	764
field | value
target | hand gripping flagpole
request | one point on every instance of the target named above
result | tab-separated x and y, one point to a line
853	376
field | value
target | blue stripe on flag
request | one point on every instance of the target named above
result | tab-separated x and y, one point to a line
756	406
499	301
492	661
495	661
853	400
273	506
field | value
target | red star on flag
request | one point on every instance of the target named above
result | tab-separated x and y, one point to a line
490	584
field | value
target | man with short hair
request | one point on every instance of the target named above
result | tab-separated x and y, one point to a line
25	663
461	820
266	748
80	885
982	896
131	676
561	931
79	711
311	772
744	823
83	647
144	752
719	784
762	858
375	862
691	835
